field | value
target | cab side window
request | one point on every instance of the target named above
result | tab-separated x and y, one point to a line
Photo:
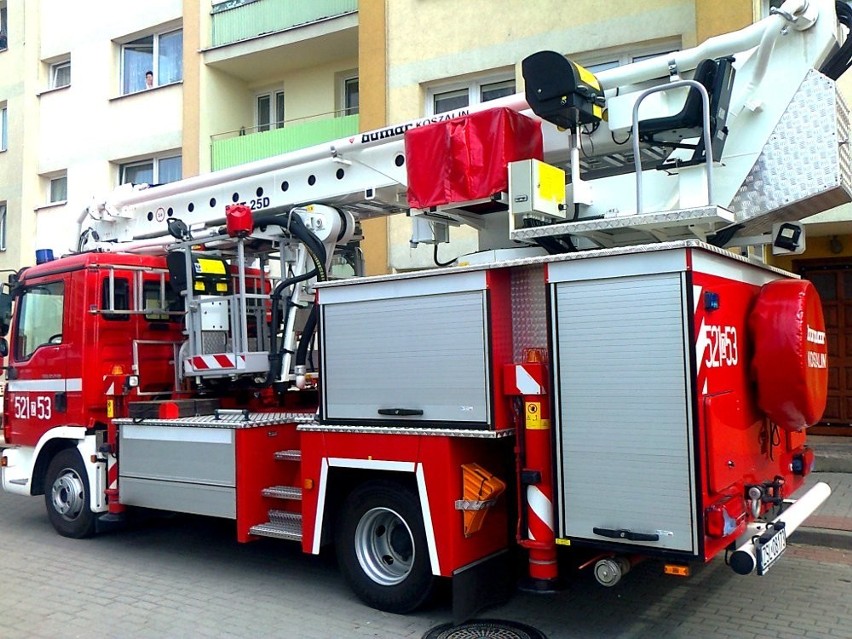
115	298
39	318
156	297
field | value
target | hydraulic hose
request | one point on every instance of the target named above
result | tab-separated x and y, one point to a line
307	336
316	251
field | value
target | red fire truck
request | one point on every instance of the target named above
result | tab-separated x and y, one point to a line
615	372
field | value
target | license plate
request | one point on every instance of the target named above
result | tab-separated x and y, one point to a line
770	549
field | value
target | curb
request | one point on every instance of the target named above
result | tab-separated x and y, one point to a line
840	539
833	464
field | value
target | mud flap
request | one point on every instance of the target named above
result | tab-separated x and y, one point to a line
487	582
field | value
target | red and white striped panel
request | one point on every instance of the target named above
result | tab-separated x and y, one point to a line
525	379
219	361
540	514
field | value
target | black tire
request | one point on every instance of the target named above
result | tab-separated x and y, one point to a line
66	495
381	547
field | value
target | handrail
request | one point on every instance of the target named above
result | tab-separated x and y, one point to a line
708	150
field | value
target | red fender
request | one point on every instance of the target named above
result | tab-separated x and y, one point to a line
789	365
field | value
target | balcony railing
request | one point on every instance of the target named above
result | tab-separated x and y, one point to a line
239	147
237	20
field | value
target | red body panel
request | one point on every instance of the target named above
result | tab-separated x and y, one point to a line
439	458
737	444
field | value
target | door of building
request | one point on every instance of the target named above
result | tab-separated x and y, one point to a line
833	281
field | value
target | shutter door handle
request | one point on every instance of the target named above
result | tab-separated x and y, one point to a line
400	412
625	534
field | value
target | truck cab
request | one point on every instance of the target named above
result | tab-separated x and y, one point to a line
78	322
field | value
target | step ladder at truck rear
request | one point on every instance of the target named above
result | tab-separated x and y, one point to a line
281	525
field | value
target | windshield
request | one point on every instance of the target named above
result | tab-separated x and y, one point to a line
39	318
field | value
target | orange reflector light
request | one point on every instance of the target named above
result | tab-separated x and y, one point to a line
4	461
677	570
308	483
117	370
535	355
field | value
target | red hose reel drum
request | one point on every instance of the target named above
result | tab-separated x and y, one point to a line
790	353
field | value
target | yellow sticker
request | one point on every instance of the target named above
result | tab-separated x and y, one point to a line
534	415
551	182
211	267
110	408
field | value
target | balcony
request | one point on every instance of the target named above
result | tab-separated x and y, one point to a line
261	39
238	20
239	147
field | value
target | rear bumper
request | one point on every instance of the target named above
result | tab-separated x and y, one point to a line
744	559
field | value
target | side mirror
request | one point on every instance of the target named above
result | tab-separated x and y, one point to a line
5	312
4	347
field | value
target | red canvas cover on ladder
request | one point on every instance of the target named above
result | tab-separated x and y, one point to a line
465	158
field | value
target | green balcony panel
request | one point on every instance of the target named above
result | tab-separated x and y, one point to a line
240	149
234	21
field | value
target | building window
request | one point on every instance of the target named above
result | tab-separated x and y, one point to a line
266	102
597	62
350	96
59	189
152	171
2	226
4	31
4	127
449	97
152	61
766	5
60	74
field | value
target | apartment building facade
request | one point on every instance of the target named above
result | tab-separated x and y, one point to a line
236	80
98	94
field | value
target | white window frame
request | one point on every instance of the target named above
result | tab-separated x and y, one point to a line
473	86
618	56
763	7
274	123
155	166
55	179
155	60
55	69
4	127
4	26
343	81
4	209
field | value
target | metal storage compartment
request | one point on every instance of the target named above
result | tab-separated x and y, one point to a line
181	469
625	442
411	350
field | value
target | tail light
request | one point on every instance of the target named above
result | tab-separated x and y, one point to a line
803	463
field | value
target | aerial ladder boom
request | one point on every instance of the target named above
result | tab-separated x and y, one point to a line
638	169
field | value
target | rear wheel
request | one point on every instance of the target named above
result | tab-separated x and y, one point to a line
66	495
381	547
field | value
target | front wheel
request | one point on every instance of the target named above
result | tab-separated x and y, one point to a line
66	495
381	547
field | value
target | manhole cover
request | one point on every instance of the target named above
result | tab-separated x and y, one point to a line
485	629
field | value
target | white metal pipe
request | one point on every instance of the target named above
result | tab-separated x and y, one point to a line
744	559
153	245
708	142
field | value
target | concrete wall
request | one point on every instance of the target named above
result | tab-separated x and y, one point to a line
83	129
16	163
